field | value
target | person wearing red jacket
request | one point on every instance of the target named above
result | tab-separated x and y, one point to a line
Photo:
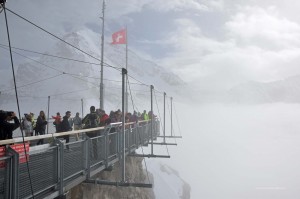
105	119
57	121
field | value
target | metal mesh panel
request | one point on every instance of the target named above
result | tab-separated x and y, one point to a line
157	128
140	135
97	149
43	171
113	144
134	137
146	133
73	159
131	139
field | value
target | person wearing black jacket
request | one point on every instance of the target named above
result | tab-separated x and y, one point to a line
91	120
7	128
65	126
40	127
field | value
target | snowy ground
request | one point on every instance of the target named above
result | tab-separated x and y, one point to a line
237	151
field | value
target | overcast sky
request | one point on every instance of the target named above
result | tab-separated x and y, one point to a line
223	41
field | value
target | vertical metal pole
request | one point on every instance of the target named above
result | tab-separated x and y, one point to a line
126	92
82	108
151	90
124	73
48	114
102	55
165	117
171	116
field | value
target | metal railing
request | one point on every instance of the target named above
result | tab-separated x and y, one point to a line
60	166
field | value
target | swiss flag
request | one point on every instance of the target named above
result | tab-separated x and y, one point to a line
119	37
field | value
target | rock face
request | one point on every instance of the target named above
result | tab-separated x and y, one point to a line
134	173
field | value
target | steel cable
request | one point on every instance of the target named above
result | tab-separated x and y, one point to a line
18	105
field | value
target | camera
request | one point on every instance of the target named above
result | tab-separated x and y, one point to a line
9	113
4	114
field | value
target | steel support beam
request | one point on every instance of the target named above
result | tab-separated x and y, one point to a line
119	184
169	136
164	143
150	156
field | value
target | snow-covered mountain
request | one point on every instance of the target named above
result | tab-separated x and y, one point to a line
251	92
285	90
67	82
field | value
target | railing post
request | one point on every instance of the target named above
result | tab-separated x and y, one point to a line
14	174
86	154
106	148
8	168
171	116
136	135
152	87
60	166
164	118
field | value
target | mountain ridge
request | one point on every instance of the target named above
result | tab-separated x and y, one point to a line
85	76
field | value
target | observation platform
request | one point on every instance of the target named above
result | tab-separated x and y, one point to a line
57	167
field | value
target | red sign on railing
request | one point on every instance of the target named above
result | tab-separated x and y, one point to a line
2	154
19	148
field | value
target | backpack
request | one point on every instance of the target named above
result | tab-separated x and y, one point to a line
93	120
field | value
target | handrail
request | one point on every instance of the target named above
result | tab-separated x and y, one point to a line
38	137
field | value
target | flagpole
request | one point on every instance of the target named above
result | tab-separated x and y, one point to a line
102	54
126	92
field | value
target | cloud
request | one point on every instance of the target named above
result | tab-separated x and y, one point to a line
133	6
259	45
264	28
253	42
178	5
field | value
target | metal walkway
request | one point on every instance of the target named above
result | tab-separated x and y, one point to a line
57	167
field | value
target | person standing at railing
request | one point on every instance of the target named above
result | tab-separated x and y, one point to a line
134	118
32	120
77	124
41	126
65	126
151	115
7	128
119	115
113	117
57	121
27	125
145	116
91	120
104	120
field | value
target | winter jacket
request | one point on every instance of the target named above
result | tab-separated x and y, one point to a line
27	126
7	128
77	121
41	124
65	125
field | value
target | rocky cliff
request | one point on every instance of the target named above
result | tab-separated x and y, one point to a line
134	172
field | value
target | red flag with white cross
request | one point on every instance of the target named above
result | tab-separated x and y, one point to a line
119	37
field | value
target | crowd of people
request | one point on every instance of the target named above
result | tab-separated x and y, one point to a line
96	118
